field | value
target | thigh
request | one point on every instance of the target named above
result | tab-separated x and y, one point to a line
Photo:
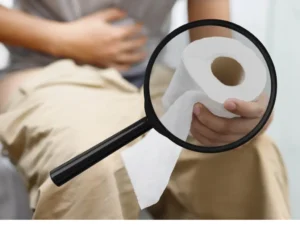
246	183
9	83
55	118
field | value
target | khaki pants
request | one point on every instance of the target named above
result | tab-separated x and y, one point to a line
65	109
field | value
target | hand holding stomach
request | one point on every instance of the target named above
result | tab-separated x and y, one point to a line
94	40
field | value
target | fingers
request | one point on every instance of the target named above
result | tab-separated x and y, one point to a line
112	14
216	124
211	130
224	125
130	57
207	137
133	44
130	51
120	67
245	109
123	61
129	31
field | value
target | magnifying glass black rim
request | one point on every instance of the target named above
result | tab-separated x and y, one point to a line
159	127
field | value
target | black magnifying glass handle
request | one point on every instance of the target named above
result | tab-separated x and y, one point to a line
65	172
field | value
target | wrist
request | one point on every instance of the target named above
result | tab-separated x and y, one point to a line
57	43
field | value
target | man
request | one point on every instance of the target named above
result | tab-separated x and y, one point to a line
53	109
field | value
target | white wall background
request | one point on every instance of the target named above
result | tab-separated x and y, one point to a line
277	24
283	33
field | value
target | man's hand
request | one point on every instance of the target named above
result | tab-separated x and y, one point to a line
211	130
94	40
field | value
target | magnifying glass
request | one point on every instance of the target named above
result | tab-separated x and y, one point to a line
152	95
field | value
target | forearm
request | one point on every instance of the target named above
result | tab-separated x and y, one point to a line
208	9
212	9
21	29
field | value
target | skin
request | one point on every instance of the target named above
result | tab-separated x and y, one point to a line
207	128
211	130
89	40
93	40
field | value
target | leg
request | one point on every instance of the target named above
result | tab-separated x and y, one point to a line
62	112
247	183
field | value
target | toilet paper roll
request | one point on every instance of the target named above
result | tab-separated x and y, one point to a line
195	73
150	162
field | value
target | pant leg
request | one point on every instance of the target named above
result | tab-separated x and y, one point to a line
249	183
246	183
202	186
60	113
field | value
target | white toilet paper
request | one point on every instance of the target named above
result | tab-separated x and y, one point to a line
150	162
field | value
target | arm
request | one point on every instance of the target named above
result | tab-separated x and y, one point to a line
220	9
208	9
20	29
211	9
88	40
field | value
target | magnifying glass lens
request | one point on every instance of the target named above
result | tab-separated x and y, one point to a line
214	91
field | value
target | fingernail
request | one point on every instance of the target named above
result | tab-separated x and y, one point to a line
231	105
197	110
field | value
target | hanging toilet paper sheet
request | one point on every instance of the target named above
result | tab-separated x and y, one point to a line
150	162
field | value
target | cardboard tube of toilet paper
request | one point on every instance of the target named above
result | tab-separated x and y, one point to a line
150	162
